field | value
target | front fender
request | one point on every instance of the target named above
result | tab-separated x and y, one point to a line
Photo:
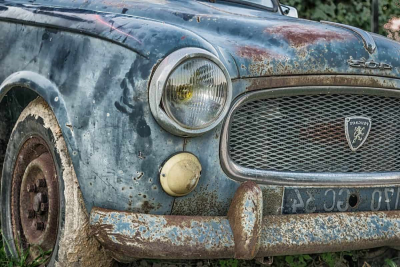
48	91
98	91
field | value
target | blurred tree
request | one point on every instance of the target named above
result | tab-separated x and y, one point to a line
352	12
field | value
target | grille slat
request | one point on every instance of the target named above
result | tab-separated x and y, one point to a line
305	133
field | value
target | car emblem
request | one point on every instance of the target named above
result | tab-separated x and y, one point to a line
368	64
357	130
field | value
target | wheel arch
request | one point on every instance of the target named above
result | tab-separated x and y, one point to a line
16	92
74	242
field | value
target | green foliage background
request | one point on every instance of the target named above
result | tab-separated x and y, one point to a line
352	12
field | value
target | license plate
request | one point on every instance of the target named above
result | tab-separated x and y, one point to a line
321	200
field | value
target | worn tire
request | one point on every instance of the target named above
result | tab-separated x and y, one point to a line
73	245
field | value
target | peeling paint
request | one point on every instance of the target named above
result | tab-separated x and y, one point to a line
245	218
321	80
168	237
318	233
131	235
300	35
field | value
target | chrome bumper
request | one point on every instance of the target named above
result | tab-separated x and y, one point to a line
243	234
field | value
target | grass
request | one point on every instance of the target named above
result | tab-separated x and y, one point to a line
23	260
338	259
361	258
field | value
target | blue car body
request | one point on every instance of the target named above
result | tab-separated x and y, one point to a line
92	62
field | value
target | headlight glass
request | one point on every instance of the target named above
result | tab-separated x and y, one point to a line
195	93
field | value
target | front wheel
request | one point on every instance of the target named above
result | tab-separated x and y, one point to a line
42	206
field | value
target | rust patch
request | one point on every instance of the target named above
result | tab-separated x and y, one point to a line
184	221
257	53
204	202
299	35
320	80
162	237
148	206
245	218
183	237
319	233
272	199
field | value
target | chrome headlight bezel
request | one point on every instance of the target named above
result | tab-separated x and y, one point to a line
159	80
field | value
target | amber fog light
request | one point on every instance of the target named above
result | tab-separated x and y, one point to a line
180	174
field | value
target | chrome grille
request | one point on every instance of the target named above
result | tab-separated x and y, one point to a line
305	133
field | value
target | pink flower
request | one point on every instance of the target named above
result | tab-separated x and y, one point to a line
393	28
393	25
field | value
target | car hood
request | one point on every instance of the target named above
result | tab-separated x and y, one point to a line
263	43
257	42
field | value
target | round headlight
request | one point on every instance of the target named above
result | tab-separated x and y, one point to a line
190	92
195	93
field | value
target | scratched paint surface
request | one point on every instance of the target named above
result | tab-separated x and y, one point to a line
108	127
245	219
152	236
317	233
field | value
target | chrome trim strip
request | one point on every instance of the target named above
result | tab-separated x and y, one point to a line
240	173
159	79
369	42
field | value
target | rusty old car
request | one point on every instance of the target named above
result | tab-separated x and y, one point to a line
194	129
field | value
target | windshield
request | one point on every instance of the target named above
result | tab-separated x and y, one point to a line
264	4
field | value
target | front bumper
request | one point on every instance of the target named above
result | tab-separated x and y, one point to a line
243	234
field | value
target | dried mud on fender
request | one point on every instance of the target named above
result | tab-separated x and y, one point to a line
76	246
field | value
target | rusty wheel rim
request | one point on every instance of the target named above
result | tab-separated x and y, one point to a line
35	198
